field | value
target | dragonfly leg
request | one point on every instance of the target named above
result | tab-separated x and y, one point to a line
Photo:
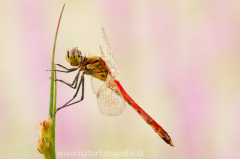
73	83
68	70
62	66
82	94
66	105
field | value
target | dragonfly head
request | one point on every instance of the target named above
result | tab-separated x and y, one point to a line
74	56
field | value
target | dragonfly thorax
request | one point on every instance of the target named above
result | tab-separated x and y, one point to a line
95	66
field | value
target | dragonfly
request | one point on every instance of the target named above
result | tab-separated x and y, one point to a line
110	94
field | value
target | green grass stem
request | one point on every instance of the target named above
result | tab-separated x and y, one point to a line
53	92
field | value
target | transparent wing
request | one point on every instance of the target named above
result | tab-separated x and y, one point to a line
107	55
110	99
96	84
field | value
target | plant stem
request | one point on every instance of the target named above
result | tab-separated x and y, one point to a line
53	93
53	154
51	112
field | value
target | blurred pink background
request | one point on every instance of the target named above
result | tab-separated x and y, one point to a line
179	60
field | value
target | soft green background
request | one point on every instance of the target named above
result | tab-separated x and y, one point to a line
179	60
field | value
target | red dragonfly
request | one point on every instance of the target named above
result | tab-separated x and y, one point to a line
110	94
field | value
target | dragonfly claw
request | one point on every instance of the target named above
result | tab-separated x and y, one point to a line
54	80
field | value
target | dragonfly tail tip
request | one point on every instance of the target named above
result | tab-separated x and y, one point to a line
171	144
